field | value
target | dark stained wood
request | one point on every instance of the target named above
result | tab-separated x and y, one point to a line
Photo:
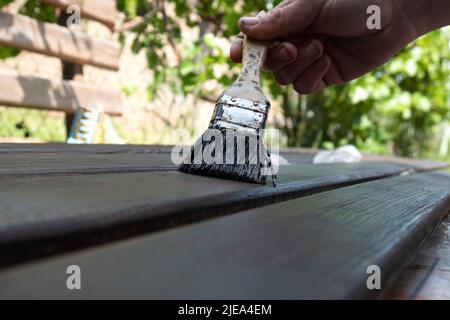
49	214
428	277
15	148
314	247
294	156
46	164
85	160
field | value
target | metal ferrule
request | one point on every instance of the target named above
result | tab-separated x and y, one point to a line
239	114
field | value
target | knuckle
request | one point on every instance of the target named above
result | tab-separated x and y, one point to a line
282	79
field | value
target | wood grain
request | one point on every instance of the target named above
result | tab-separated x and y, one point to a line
50	214
428	277
103	11
293	156
66	96
46	164
55	147
24	33
314	247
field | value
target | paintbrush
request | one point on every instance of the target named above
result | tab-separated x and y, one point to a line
232	147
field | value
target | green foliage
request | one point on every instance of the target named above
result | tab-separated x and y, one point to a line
26	123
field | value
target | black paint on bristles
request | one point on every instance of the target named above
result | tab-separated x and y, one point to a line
247	161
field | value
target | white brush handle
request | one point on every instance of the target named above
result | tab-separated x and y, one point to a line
253	57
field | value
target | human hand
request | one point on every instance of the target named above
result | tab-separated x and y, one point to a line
318	43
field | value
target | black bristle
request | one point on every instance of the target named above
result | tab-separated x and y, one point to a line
248	171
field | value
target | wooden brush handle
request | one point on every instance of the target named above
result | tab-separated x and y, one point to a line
253	56
248	84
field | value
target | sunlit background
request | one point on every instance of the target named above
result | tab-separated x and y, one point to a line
175	63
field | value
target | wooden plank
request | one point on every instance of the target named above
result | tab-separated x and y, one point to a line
50	39
314	247
293	156
428	277
46	164
62	95
13	165
50	214
103	11
55	147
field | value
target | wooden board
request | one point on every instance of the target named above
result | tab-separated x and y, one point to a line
314	247
66	96
293	156
428	277
50	214
46	164
103	11
18	148
24	33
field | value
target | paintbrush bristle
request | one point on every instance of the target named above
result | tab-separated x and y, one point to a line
232	147
232	154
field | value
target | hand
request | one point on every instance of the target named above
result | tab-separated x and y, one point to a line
318	43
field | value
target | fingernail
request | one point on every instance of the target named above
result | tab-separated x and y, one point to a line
249	21
238	40
284	53
312	50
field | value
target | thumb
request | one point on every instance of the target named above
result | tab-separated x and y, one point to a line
288	18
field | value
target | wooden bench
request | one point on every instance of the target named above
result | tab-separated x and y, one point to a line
74	48
138	228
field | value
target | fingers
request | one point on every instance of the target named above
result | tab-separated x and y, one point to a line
236	48
306	56
280	55
311	80
290	17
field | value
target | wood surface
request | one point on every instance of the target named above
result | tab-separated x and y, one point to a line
46	164
313	247
50	206
103	11
25	33
428	277
294	155
208	237
66	96
56	147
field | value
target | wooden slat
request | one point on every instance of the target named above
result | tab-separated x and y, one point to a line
294	156
61	95
73	46
314	247
103	11
44	215
428	277
54	147
92	161
42	164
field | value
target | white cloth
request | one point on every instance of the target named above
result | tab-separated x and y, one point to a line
344	154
